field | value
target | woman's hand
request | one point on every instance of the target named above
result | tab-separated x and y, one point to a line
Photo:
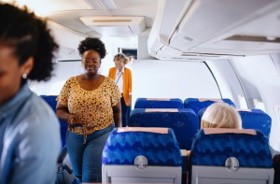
73	121
129	100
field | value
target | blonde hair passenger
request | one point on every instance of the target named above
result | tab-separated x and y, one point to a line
221	115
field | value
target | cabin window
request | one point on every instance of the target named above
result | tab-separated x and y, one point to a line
277	108
258	104
242	102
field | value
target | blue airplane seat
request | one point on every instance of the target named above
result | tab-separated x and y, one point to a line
51	100
231	155
256	119
201	103
184	122
159	103
141	155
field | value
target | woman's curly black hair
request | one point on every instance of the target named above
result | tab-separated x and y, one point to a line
28	34
92	44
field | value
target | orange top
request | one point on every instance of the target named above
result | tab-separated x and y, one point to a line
127	83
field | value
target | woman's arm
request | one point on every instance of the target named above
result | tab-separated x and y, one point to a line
63	113
129	76
117	114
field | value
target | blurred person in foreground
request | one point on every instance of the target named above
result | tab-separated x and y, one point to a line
29	129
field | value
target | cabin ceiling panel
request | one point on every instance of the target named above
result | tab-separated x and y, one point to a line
115	26
71	18
123	4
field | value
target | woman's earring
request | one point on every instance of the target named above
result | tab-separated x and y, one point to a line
24	76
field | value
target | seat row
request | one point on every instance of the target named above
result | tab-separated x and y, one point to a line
157	112
152	155
194	103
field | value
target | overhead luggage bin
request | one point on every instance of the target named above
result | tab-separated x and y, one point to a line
215	29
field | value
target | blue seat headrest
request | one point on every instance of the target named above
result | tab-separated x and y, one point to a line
249	147
197	104
184	122
159	103
125	144
256	119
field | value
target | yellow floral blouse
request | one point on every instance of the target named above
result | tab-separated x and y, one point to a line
93	108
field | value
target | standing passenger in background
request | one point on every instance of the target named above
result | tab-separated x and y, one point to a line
220	115
123	79
29	130
90	103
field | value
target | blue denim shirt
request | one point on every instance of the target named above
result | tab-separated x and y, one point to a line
29	140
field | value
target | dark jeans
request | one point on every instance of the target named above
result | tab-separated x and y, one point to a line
86	158
125	113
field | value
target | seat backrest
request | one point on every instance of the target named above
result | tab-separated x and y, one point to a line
141	155
51	100
184	122
198	104
232	155
256	119
159	103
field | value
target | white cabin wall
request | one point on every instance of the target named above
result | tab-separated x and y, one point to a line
142	51
151	79
172	79
276	61
227	80
260	79
62	71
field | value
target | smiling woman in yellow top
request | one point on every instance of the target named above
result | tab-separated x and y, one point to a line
123	78
90	103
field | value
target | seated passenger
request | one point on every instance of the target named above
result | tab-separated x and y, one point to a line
220	115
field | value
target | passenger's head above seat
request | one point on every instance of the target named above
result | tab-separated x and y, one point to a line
220	115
